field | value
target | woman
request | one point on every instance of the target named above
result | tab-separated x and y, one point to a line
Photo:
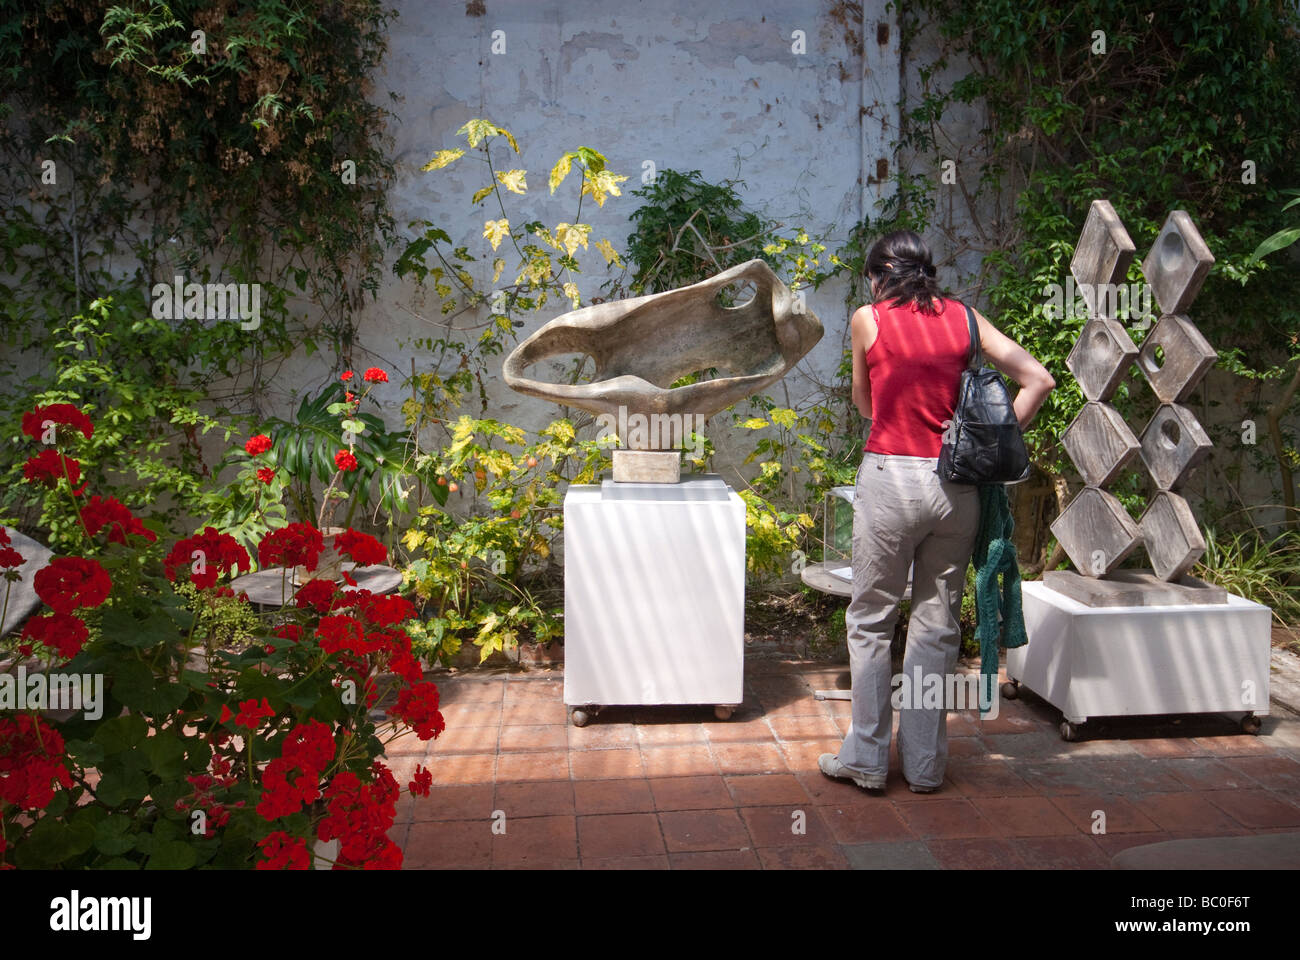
909	350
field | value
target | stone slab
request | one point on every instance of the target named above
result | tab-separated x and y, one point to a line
1270	851
23	601
647	466
1133	588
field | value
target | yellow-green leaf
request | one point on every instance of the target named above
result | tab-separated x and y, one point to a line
497	266
561	170
607	251
442	158
599	185
571	291
510	138
783	416
572	235
494	230
480	194
513	180
754	423
476	130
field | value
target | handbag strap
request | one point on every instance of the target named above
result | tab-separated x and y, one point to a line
976	354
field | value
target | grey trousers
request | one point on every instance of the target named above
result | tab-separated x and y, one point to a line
903	514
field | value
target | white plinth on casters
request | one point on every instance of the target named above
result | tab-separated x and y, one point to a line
1139	661
654	595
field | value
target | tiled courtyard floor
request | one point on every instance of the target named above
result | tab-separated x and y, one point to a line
672	787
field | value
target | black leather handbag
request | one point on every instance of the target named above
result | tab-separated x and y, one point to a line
983	444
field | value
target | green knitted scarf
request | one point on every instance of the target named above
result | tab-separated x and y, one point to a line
995	554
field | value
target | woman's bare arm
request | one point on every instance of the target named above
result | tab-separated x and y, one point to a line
1019	364
862	330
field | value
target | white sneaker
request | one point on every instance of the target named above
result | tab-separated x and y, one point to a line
830	765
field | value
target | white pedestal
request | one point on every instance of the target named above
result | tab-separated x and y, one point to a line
1134	661
654	593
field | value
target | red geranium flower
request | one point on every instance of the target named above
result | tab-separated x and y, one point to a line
266	475
257	444
58	631
217	553
31	762
342	633
58	413
375	375
72	582
422	782
345	460
251	713
108	512
387	611
47	468
360	547
9	557
417	707
345	375
317	594
283	852
298	544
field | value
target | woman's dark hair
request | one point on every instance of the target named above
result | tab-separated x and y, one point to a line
903	266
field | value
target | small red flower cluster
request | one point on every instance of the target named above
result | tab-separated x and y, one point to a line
31	762
217	553
257	445
251	714
308	750
266	475
59	414
59	631
47	468
345	460
108	512
374	375
360	547
423	781
9	557
360	816
283	852
298	544
417	707
71	582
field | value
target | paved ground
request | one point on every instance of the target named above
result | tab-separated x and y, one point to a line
671	787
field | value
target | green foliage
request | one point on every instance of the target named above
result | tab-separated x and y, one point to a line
1257	567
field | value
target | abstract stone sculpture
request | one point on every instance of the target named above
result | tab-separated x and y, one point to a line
1094	530
642	345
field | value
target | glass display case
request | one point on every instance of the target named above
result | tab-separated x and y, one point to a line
837	533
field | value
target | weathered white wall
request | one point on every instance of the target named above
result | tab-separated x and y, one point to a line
710	87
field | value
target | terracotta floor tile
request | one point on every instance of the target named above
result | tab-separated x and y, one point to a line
1119	814
865	819
668	734
550	736
1113	843
738	731
463	768
620	835
619	763
801	755
1135	776
823	790
460	739
1024	817
749	758
804	728
1008	725
598	735
770	789
461	692
1041	744
535	839
434	845
1061	778
535	799
966	748
540	765
626	863
897	789
1276	773
987	778
1186	812
472	714
777	826
690	793
612	796
1162	747
686	760
1255	808
1061	853
529	712
408	745
697	830
544	863
715	860
806	706
981	853
802	858
1235	745
1100	748
962	724
944	819
519	691
455	803
1207	773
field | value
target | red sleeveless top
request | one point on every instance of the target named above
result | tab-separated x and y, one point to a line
915	367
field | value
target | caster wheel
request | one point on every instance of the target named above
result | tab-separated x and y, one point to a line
1069	731
580	718
723	712
1251	724
1010	689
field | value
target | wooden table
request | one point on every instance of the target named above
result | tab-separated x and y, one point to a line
274	586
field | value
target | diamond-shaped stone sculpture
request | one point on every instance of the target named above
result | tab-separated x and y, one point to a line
1173	444
1100	358
1178	263
1175	357
1096	532
1099	443
1094	529
1173	540
1102	256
